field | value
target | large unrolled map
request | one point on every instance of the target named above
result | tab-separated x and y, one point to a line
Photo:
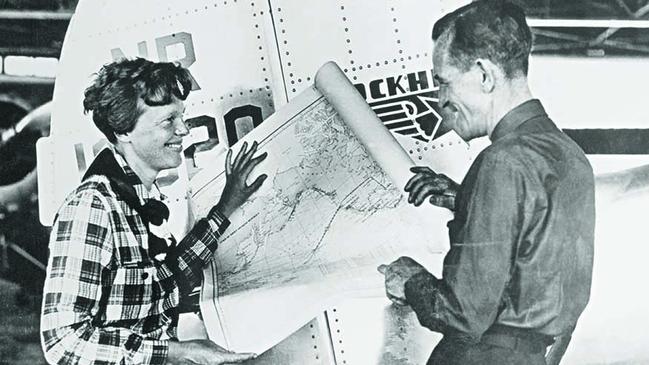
331	210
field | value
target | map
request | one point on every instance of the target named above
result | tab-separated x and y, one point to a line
324	191
326	217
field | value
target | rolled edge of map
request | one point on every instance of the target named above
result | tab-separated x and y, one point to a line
368	128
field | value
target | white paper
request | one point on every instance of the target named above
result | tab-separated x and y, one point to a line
331	210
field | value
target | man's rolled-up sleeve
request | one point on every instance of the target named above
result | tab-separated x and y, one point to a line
80	250
477	267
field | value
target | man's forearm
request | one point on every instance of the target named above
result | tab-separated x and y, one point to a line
421	293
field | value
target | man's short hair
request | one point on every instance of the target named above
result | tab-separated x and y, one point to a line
492	29
119	87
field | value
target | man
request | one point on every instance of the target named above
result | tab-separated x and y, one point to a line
113	285
518	273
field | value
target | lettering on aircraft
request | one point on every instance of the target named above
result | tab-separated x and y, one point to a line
206	145
162	46
407	104
79	153
241	120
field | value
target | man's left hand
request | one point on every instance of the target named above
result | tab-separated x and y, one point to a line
426	183
396	275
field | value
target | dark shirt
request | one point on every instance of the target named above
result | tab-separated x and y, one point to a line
522	237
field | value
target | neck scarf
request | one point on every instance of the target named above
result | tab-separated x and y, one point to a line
153	211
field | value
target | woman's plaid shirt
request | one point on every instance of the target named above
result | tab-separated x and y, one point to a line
105	300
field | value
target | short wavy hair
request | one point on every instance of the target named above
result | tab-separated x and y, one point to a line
115	94
492	29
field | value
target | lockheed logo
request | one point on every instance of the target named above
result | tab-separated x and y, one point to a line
410	110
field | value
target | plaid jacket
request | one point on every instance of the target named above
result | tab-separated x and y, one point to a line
106	301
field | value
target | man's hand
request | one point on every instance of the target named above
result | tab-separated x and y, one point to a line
426	182
236	190
202	352
396	275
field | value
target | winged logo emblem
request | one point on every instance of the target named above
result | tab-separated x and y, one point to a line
413	115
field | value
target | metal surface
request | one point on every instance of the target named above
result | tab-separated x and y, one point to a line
310	344
375	331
